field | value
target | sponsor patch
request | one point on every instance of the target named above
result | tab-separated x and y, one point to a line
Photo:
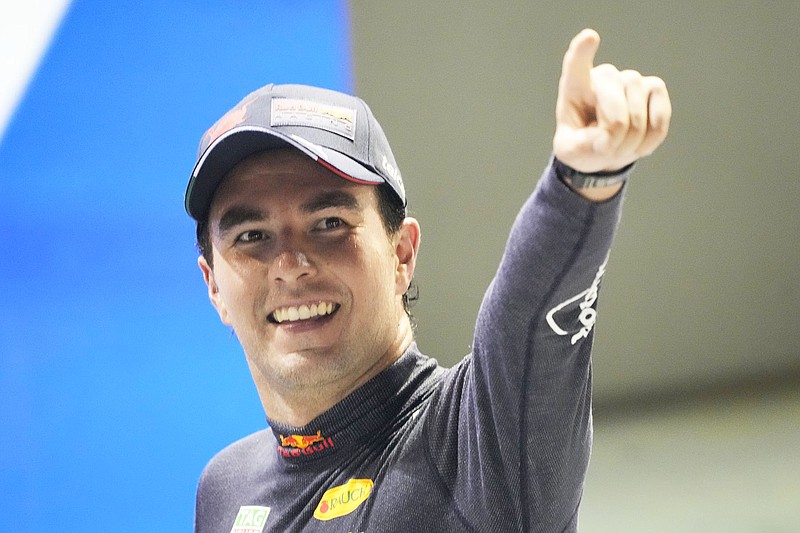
343	500
297	445
250	519
301	441
296	112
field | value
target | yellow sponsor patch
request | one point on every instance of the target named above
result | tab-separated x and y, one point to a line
343	500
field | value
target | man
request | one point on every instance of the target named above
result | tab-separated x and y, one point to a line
307	254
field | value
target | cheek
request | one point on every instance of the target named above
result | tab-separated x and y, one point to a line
376	275
237	291
359	262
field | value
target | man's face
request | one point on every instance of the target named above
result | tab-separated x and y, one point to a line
306	274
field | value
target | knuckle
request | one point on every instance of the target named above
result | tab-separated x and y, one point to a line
631	76
638	121
618	124
655	84
606	70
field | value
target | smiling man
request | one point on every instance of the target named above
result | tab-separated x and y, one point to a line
306	274
308	255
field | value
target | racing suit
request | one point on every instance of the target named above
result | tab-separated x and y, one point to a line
499	442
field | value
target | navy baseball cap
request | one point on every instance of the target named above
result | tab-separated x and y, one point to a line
335	129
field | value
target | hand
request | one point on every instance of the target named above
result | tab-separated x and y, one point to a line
606	119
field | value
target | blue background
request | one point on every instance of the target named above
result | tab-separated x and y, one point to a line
117	381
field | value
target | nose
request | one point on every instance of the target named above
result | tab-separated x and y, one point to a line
290	265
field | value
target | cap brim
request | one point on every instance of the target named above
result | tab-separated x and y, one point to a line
239	143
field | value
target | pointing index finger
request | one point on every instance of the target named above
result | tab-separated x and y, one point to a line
579	60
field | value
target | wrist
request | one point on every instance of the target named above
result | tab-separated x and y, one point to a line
594	186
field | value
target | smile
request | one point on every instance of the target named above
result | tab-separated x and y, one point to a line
302	312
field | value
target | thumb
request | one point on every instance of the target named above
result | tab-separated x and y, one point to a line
578	63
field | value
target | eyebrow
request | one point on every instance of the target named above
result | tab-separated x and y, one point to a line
239	214
242	214
328	199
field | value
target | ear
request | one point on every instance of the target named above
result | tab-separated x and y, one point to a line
213	290
406	247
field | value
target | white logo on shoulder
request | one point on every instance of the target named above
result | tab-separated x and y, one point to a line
250	519
587	316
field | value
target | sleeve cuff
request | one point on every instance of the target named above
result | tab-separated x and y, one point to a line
582	180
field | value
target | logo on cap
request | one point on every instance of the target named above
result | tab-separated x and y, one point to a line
229	120
327	117
391	170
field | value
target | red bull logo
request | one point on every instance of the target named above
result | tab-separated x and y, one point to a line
301	441
228	121
297	445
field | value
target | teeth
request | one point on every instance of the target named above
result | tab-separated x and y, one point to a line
303	312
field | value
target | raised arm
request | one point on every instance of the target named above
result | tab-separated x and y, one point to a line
524	397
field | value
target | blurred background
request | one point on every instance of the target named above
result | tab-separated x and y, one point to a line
117	382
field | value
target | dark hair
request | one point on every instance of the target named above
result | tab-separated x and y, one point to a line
391	210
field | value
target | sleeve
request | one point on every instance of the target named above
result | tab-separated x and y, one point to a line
521	404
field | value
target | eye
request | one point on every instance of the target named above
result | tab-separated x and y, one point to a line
330	223
251	236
